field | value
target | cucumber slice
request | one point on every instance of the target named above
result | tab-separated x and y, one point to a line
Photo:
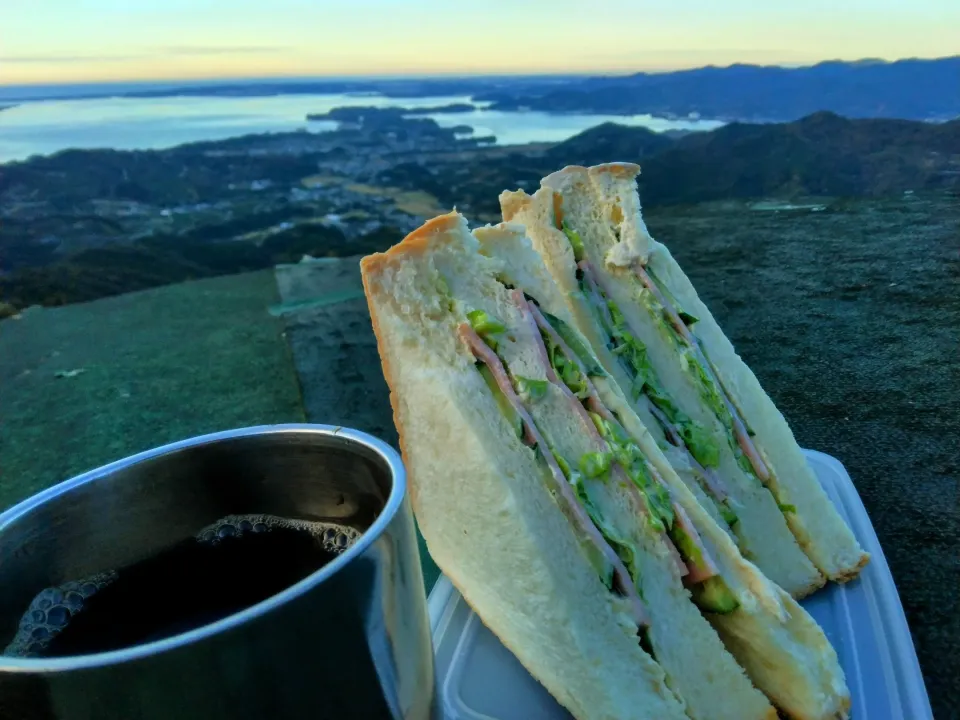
713	595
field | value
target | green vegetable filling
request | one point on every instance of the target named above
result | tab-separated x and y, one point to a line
576	242
578	346
529	388
698	441
623	548
687	318
630	457
595	464
711	595
633	355
709	392
565	368
729	516
486	326
714	596
685	544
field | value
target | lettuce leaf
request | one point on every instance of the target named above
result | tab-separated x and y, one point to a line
530	388
565	368
699	442
631	458
577	345
576	242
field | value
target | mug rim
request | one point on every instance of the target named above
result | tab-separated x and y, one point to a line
10	664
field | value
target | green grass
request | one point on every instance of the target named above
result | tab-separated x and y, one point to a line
157	366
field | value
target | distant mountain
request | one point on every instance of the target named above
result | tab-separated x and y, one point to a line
909	89
601	143
821	154
390	87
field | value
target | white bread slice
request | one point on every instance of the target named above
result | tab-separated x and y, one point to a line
818	527
488	519
784	651
534	590
765	537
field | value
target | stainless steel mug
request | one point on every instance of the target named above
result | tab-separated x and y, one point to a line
352	640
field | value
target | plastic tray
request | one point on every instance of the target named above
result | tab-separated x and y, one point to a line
479	679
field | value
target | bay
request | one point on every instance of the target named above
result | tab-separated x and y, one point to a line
45	127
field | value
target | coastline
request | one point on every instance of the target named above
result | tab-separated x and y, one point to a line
124	123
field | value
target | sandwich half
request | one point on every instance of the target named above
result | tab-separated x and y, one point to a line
783	650
555	525
653	335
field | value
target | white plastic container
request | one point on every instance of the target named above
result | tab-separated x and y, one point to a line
479	679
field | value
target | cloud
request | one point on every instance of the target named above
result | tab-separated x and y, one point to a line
219	50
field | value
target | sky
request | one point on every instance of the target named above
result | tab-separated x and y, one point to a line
65	41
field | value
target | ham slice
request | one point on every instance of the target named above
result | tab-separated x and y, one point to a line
530	318
593	401
624	583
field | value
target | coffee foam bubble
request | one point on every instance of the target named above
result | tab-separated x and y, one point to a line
53	608
51	611
334	538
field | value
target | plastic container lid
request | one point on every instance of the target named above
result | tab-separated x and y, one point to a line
479	679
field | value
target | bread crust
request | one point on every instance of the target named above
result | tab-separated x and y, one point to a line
512	203
622	170
852	573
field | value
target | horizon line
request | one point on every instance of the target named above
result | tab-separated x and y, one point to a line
459	74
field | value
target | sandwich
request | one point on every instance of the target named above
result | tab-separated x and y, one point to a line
545	500
650	331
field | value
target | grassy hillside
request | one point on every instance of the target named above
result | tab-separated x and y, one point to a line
86	384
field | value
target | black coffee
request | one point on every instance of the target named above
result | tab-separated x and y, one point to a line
229	566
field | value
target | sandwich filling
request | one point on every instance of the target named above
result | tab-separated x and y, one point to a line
613	457
680	430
